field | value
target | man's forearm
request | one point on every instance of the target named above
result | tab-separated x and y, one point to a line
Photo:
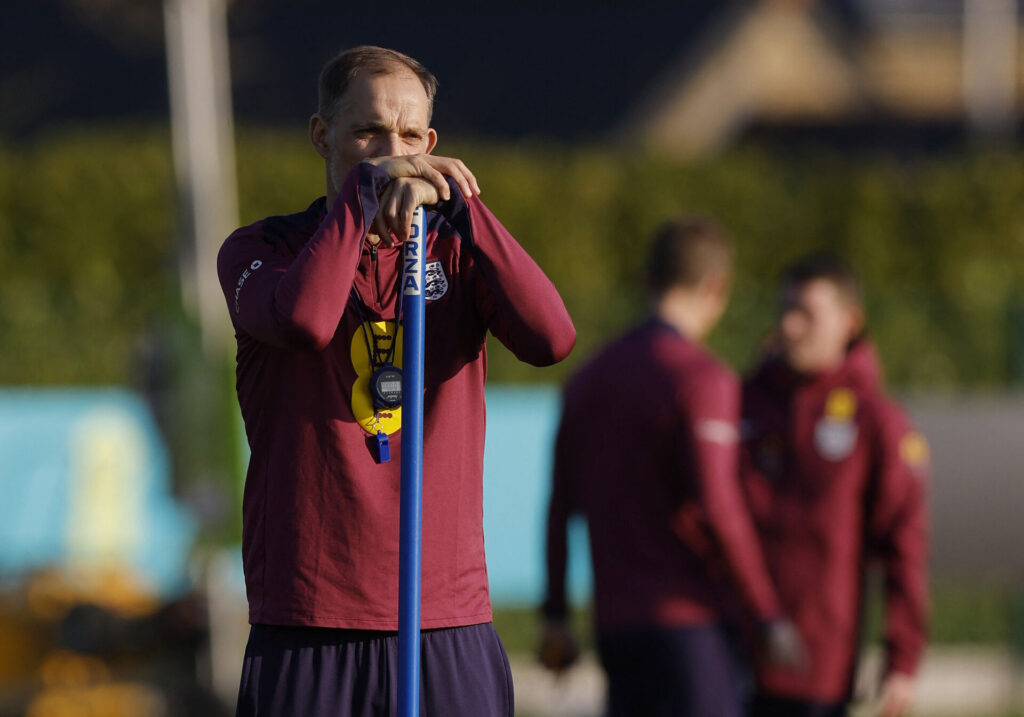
299	303
519	303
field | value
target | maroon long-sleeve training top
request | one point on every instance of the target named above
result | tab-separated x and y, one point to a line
647	452
836	477
320	514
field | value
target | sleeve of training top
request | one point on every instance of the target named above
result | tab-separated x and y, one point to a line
298	304
711	413
515	299
561	506
898	534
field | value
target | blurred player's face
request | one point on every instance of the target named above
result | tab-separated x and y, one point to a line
816	325
380	116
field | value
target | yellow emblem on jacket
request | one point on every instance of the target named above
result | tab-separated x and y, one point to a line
841	405
835	433
914	450
387	420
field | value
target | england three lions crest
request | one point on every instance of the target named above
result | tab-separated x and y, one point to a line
435	282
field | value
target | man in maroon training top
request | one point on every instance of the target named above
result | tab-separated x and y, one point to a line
836	479
647	453
314	300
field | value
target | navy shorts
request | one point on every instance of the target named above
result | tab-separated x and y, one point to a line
324	672
768	706
667	672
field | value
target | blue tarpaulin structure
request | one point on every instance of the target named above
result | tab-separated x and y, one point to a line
85	483
521	426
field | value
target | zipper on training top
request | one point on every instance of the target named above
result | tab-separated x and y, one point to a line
374	279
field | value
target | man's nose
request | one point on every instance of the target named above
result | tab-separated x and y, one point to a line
392	145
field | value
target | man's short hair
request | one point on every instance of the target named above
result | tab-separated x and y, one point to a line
339	72
825	266
685	251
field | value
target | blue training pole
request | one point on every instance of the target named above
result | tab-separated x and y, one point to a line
412	470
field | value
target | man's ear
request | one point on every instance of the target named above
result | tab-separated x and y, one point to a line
431	140
857	321
318	135
719	286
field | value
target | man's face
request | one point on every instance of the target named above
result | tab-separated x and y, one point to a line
816	325
382	115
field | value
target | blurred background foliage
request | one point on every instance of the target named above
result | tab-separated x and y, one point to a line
89	288
90	247
89	294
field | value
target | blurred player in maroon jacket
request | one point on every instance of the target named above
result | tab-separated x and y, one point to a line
314	300
647	453
836	479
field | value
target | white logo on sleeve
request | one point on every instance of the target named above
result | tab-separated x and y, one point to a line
435	282
714	430
256	264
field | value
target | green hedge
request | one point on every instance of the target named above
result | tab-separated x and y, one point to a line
960	614
87	263
88	255
939	243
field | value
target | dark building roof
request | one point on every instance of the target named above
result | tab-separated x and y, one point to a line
64	62
567	70
507	69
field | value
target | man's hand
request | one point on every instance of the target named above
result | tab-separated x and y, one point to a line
558	646
897	698
397	203
432	169
415	179
783	646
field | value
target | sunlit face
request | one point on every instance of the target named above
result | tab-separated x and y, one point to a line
381	115
816	325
